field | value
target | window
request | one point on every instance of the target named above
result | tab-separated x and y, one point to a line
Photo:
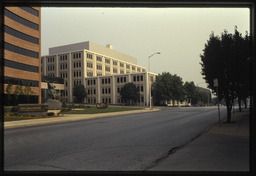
20	35
30	10
138	78
94	81
22	82
89	65
118	90
20	50
20	20
99	58
99	67
133	68
106	81
128	66
117	80
124	79
102	81
114	70
114	62
121	72
121	64
141	77
89	56
109	80
107	61
102	91
121	79
141	88
20	66
107	69
134	78
109	91
138	69
94	91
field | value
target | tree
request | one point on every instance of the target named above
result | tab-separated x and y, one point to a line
9	92
17	92
130	93
190	92
79	92
221	59
28	91
168	87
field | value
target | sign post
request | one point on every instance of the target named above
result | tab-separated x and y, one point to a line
215	83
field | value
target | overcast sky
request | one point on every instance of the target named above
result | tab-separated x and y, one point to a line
178	33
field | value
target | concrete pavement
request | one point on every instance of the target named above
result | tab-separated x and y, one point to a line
69	118
221	148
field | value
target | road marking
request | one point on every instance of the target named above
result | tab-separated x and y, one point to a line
185	121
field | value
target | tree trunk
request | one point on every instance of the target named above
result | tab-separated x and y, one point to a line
245	103
239	103
229	108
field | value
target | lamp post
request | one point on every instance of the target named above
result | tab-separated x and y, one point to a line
150	107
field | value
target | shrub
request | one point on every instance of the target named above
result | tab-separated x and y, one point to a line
50	113
14	109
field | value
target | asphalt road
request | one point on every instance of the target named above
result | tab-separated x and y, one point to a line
123	143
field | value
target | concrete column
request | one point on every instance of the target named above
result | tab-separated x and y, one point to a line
98	90
103	66
94	65
114	89
70	78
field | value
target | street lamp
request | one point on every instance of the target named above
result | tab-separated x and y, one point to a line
150	78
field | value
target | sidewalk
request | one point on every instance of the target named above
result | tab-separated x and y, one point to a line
69	118
221	148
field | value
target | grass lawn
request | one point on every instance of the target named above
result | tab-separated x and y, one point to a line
14	118
94	110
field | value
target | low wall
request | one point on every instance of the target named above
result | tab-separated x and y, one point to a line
32	109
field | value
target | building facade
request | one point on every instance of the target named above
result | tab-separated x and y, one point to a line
22	57
106	89
76	63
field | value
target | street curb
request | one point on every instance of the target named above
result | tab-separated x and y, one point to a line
68	118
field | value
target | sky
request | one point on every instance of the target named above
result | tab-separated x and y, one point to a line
179	34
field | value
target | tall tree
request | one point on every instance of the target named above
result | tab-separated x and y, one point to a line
130	93
79	92
221	59
168	87
191	92
17	92
9	92
27	92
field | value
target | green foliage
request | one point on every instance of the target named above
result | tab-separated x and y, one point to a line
226	58
14	109
79	92
50	113
168	87
129	93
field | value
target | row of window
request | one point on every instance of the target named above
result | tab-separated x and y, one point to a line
89	56
20	35
106	100
121	79
65	93
77	55
63	66
90	74
107	61
20	66
107	69
50	59
105	81
20	50
50	67
90	92
20	20
30	10
63	57
64	75
99	67
139	78
77	74
91	82
23	82
99	58
77	82
89	65
77	64
91	100
106	91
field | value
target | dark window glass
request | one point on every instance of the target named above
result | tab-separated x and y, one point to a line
30	10
109	80
138	78
20	20
22	82
21	51
134	78
94	81
106	81
20	35
141	78
102	81
20	66
118	80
